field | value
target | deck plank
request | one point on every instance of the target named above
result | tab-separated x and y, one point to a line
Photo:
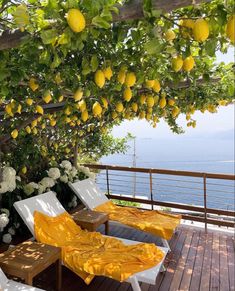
231	259
224	278
206	267
214	284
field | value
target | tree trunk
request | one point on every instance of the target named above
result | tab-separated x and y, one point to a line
130	11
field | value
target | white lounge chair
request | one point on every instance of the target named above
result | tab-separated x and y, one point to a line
91	196
10	285
48	204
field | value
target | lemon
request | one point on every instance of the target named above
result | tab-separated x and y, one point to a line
67	110
108	73
96	109
121	76
61	98
222	102
21	16
24	170
52	122
142	99
84	116
149	109
28	129
8	109
188	64
14	133
104	102
130	79
156	86
76	20
33	84
67	150
142	115
189	23
194	124
34	123
169	35
134	107
58	79
177	63
162	102
149	83
19	108
99	79
39	109
67	120
155	118
82	105
119	107
47	97
200	30
29	101
114	114
78	95
188	116
171	102
230	32
150	101
175	111
127	95
148	116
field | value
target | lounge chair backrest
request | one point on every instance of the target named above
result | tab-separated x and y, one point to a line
46	203
88	192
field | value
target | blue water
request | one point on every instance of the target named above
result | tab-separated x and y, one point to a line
178	153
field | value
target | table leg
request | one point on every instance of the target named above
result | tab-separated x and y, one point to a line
58	275
107	227
29	280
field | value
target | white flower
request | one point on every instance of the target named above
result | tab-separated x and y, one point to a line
3	187
3	220
66	164
54	173
92	176
11	185
73	172
11	231
64	179
28	189
41	189
18	178
47	182
34	185
8	173
6	211
7	238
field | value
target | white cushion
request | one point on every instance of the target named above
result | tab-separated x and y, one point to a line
46	203
88	192
3	280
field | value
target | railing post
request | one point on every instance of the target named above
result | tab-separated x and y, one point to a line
107	179
151	187
205	201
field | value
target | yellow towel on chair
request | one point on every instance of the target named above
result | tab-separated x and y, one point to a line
155	222
90	253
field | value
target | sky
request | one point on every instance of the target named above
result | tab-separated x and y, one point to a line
220	123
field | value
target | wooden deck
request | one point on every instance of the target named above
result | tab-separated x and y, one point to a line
198	261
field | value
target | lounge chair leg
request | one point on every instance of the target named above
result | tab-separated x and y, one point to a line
166	244
134	284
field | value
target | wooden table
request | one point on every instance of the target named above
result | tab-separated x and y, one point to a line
90	220
28	259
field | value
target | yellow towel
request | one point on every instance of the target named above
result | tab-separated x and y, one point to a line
90	253
155	222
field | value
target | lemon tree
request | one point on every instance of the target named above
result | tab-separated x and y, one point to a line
71	70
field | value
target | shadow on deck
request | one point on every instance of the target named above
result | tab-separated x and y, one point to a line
198	261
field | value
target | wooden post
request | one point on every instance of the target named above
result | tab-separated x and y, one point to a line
151	187
205	201
107	180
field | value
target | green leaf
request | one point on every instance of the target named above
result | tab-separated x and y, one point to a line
100	22
94	63
49	36
210	47
153	47
56	62
44	57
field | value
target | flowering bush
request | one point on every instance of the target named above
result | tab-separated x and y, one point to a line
55	179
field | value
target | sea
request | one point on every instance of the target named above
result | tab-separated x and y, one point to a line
207	154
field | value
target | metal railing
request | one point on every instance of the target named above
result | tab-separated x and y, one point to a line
202	197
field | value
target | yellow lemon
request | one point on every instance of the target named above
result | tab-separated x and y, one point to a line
171	102
121	76
99	79
188	64
43	125
156	86
114	114
67	111
84	116
188	116
134	107
142	99
230	32
52	122
34	123
67	150
130	79
61	98
108	73
39	109
127	95
155	118
14	133
58	79
47	97
177	63
200	30
189	23
175	111
19	108
119	107
33	84
76	20
150	101
105	102
28	129
162	102
169	35
8	109
142	115
24	170
78	95
96	109
82	105
222	102
29	101
149	83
